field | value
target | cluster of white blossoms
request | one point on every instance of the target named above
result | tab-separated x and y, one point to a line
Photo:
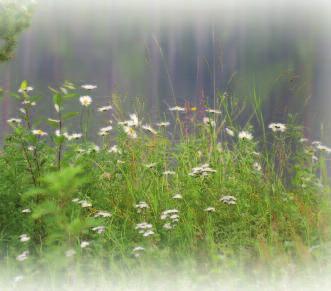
203	170
169	173
230	200
144	228
171	216
141	206
245	135
277	127
103	214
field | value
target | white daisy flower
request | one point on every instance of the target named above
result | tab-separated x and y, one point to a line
73	136
89	87
39	132
134	120
14	121
230	200
275	127
24	237
85	100
23	256
210	209
245	135
149	128
323	148
177	108
105	108
130	132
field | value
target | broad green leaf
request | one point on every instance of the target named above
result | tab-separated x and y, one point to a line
69	115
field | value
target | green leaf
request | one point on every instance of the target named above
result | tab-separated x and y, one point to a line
53	123
70	96
57	99
69	115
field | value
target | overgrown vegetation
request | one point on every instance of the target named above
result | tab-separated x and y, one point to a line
194	190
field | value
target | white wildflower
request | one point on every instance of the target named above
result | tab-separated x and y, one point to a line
22	110
28	102
275	127
203	170
229	131
151	165
149	129
39	132
167	173
103	214
148	233
84	244
177	196
85	100
245	135
167	213
26	210
130	132
230	200
177	108
208	121
115	149
27	89
215	111
85	204
24	237
163	124
14	121
141	206
89	87
23	256
167	226
99	229
105	108
257	166
210	209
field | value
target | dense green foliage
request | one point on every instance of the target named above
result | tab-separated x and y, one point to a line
242	202
14	18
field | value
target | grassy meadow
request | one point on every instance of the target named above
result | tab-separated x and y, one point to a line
198	190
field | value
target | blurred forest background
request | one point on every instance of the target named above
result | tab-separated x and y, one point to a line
176	54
